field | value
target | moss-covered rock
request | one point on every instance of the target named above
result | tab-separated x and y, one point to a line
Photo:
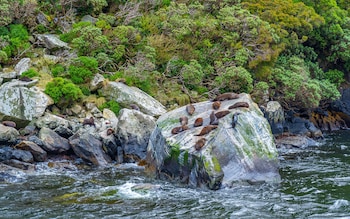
246	152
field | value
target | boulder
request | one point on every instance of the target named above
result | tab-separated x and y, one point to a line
97	82
22	66
64	127
51	41
134	130
126	96
22	155
296	141
52	142
245	153
8	134
21	102
275	116
38	153
89	148
110	116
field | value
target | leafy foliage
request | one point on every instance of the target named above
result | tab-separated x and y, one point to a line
112	105
63	91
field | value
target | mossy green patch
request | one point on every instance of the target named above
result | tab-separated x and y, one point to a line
168	122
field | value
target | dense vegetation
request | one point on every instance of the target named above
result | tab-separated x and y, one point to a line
294	51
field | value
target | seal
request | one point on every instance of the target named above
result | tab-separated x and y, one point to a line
213	119
179	129
90	121
9	123
226	96
198	122
200	143
221	114
134	107
25	79
239	104
110	131
207	129
183	120
234	120
216	105
190	109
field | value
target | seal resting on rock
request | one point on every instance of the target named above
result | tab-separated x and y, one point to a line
216	105
9	123
239	104
183	120
135	107
207	129
25	79
190	109
198	122
200	143
234	119
226	96
110	131
179	129
213	119
90	121
222	113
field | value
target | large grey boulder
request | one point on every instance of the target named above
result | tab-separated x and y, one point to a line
274	113
245	153
8	134
52	41
89	148
22	102
126	95
134	130
52	142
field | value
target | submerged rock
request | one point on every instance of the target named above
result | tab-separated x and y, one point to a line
246	152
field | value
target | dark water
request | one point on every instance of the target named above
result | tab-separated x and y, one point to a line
315	184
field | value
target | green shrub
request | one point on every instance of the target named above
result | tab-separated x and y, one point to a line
30	73
112	105
335	76
82	69
57	70
236	79
3	57
62	90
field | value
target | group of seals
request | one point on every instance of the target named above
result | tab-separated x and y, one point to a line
214	117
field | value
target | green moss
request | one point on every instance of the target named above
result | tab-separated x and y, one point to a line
110	193
168	122
217	167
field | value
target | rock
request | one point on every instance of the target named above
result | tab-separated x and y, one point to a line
97	82
5	153
22	155
275	115
22	66
110	144
298	141
41	18
110	116
89	18
134	130
8	75
126	95
89	148
20	165
51	41
52	142
244	153
30	102
60	125
38	153
8	134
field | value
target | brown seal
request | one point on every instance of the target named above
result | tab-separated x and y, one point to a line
179	129
226	96
222	113
90	121
216	105
207	129
190	109
239	104
9	124
110	131
183	120
213	119
198	122
200	143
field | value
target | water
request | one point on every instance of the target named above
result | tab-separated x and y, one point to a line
315	184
